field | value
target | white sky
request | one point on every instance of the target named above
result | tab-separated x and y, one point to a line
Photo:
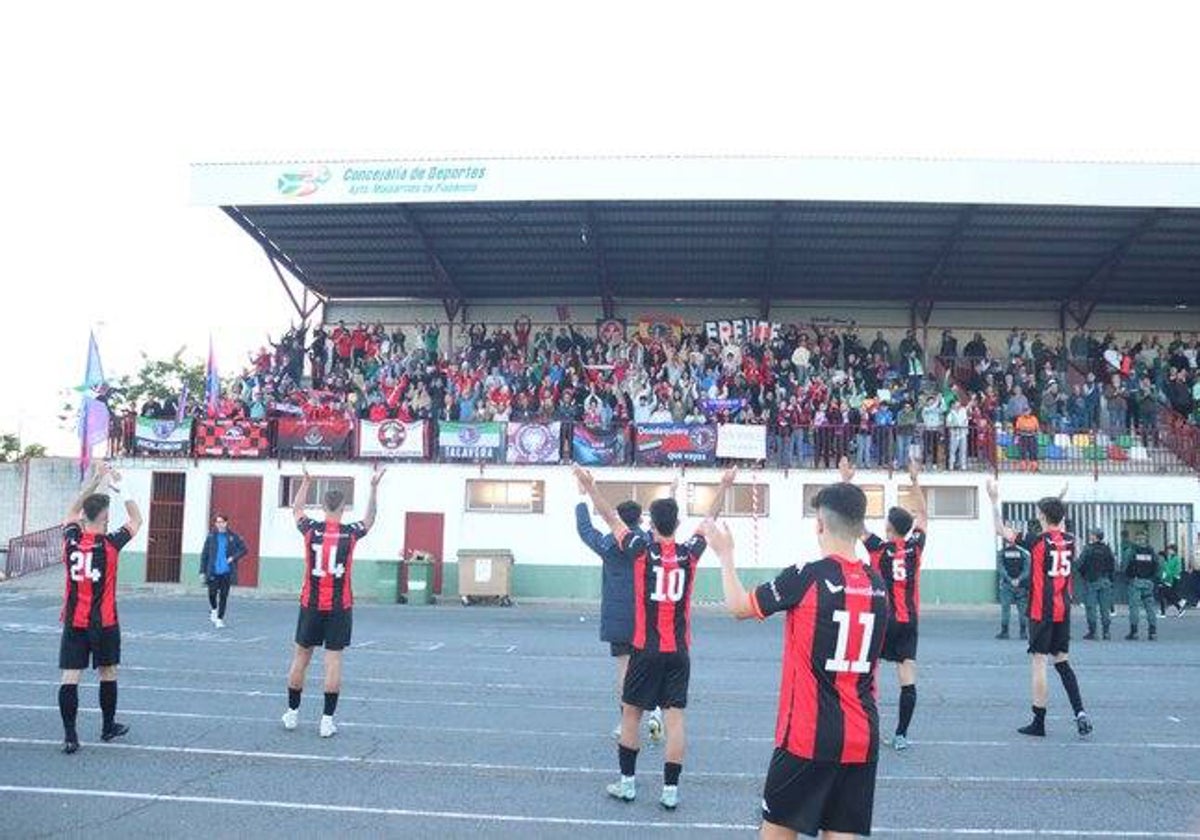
103	109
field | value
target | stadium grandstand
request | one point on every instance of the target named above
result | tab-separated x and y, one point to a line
499	317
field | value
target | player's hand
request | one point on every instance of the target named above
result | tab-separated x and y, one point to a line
992	490
914	469
729	476
847	471
377	475
585	479
304	470
719	538
1066	487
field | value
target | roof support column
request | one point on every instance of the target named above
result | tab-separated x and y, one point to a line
591	238
1080	302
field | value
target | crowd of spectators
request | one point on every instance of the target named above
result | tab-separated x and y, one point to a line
821	391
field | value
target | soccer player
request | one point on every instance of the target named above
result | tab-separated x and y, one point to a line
218	566
616	595
822	773
327	599
1052	556
898	561
91	631
659	667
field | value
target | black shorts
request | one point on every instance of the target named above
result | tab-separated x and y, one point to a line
331	629
1049	637
620	648
657	680
900	641
99	645
808	796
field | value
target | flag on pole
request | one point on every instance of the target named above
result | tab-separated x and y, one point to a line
181	409
212	382
93	413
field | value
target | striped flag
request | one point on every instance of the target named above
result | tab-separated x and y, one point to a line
93	414
212	382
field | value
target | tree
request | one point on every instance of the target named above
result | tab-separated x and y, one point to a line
10	450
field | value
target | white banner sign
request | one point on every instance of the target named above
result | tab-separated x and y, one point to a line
391	439
745	443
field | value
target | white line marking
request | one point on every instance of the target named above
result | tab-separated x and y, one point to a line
592	771
188	669
399	701
545	820
1174	719
359	809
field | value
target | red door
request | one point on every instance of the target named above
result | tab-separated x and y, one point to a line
239	497
423	532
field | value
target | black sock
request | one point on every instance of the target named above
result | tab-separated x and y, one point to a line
628	760
1067	675
908	702
331	698
108	702
671	773
68	707
293	698
1039	714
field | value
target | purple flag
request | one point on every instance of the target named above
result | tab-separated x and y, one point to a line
93	413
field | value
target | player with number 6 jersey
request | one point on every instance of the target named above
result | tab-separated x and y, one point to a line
326	597
1052	560
822	773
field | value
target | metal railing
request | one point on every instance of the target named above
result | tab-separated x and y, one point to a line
34	551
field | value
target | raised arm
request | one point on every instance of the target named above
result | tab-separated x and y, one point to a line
607	512
727	479
1002	530
920	505
134	520
1062	494
846	471
301	495
737	600
368	519
92	485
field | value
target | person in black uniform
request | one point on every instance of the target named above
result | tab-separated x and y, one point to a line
1096	566
1012	569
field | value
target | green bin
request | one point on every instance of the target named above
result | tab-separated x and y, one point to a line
420	580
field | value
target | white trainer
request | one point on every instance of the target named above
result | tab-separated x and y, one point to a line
220	622
212	616
625	789
291	719
328	727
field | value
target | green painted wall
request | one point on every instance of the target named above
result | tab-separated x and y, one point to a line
375	580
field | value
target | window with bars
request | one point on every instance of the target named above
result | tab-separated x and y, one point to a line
944	502
502	496
741	500
874	493
317	488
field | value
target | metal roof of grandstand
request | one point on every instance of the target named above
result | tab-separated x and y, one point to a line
979	248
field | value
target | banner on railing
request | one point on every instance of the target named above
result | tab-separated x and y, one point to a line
741	331
392	439
325	438
599	447
534	443
231	439
162	437
745	443
471	441
675	443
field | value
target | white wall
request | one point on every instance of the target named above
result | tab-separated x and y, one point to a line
53	483
785	536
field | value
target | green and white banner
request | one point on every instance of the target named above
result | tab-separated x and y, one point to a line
471	441
162	437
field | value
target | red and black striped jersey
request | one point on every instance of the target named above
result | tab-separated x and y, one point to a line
328	560
1051	561
837	614
898	562
663	576
90	599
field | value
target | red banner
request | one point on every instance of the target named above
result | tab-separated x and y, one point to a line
322	438
231	439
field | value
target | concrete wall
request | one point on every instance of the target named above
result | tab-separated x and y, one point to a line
551	562
53	485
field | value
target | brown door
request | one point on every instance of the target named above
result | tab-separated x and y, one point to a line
239	497
423	532
164	545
